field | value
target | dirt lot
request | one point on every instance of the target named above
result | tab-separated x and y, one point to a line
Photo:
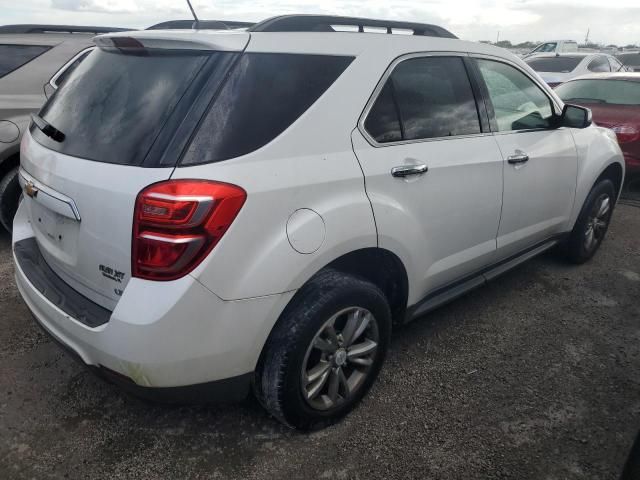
535	376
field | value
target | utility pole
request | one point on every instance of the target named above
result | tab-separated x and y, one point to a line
586	39
498	37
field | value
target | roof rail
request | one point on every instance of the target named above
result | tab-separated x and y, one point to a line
200	25
32	28
325	23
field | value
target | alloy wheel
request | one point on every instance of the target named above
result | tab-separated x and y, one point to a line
339	358
597	222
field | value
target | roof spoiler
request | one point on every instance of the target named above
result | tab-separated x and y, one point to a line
37	28
325	23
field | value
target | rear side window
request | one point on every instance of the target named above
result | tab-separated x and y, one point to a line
427	97
114	104
14	56
264	94
554	64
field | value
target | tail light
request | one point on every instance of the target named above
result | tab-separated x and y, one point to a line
178	222
626	133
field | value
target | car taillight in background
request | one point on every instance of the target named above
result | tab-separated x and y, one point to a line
178	222
626	133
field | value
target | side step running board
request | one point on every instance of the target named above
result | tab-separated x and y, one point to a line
446	294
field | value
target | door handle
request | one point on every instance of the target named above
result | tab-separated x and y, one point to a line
518	158
408	170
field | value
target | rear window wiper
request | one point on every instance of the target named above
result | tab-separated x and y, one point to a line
46	128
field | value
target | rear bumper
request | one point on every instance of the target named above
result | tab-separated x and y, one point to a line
163	338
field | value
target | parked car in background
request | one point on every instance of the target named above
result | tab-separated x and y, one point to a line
34	61
559	68
631	60
614	99
554	46
285	195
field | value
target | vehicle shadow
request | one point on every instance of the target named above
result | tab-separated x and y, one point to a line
223	437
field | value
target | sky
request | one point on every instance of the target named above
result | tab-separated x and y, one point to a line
617	22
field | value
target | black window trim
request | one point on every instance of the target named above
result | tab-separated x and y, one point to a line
64	68
480	106
46	49
555	105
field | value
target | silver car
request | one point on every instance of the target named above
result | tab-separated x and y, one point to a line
34	61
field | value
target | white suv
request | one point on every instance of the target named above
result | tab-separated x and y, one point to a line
222	211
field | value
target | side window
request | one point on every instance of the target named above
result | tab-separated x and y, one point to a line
62	75
14	56
599	64
518	103
426	97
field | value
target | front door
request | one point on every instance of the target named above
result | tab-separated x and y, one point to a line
540	161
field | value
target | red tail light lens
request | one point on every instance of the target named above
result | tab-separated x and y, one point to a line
626	133
178	222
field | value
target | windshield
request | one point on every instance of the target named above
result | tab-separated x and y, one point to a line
114	104
617	92
554	64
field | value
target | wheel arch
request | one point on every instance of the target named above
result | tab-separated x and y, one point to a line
615	173
377	265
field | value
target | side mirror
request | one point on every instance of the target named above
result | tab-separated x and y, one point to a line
574	116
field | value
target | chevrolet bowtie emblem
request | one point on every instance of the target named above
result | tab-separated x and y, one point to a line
31	190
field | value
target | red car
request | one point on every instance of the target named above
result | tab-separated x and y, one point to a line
614	99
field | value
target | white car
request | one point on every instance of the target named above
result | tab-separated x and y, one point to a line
221	211
559	68
554	46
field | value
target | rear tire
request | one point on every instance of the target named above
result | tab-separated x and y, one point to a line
592	224
9	198
325	352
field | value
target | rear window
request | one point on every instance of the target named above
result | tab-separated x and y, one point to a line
263	96
630	59
554	64
616	92
14	56
114	103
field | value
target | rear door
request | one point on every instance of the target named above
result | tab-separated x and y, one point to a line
540	161
433	171
122	111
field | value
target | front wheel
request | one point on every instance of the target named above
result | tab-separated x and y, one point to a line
9	198
593	222
325	352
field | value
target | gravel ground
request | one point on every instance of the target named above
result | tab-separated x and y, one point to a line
535	376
